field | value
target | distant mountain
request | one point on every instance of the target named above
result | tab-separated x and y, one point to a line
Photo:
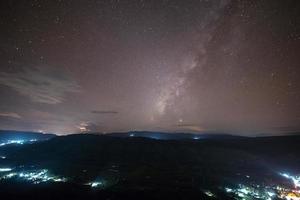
174	136
8	135
139	164
134	159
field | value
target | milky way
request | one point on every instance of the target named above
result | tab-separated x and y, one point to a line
184	66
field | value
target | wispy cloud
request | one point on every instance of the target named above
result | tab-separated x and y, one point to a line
10	115
43	85
104	112
287	128
191	127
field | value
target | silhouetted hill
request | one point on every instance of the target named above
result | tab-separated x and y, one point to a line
173	136
146	166
78	152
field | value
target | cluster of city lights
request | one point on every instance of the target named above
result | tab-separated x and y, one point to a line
5	169
245	191
292	194
17	142
251	192
12	142
209	193
294	179
34	176
288	194
96	184
268	192
39	176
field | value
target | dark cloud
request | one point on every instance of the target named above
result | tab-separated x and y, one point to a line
43	85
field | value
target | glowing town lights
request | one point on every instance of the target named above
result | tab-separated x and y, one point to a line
240	194
292	196
12	142
285	175
296	182
251	192
8	176
5	169
17	142
244	190
95	184
131	135
295	179
35	176
41	131
209	193
83	127
271	194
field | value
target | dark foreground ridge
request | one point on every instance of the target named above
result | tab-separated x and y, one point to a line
110	167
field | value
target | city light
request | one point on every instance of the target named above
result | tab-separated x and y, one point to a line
228	190
268	192
8	176
34	176
240	191
294	179
293	196
95	184
17	141
209	193
5	169
12	142
251	192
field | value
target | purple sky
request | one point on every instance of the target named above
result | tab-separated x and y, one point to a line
194	66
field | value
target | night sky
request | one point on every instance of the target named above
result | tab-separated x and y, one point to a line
166	65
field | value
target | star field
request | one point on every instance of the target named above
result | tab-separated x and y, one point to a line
185	66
